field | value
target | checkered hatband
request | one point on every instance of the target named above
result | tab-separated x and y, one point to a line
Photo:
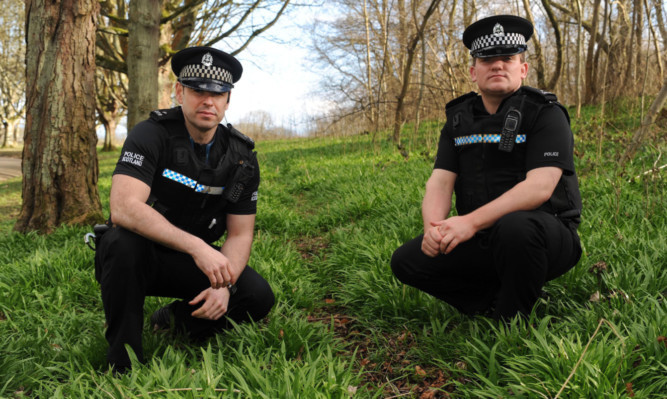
492	40
203	72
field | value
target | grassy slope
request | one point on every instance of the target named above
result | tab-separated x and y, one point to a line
331	213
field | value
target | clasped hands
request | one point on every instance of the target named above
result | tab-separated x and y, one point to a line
219	271
445	235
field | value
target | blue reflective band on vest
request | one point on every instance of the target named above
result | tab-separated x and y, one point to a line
484	138
199	188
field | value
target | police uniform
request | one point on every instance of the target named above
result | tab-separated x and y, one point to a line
501	270
194	187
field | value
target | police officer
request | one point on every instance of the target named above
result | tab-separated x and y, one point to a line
506	154
183	180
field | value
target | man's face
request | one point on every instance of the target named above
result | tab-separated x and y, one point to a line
499	76
202	110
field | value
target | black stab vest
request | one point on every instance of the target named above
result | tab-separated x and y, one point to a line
183	199
486	172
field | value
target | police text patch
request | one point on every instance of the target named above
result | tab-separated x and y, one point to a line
133	158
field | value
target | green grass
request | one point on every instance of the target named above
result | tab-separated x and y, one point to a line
331	212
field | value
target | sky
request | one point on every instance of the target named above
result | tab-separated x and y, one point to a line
277	76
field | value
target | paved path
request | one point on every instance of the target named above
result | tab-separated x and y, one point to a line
9	168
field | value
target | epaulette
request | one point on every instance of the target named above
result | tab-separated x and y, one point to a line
459	100
249	142
160	115
541	94
545	97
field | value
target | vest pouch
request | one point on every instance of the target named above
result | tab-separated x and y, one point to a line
240	179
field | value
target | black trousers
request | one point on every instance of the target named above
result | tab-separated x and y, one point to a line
130	267
500	271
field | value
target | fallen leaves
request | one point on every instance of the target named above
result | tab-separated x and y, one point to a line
386	360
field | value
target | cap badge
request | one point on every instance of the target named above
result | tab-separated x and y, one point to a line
498	30
207	60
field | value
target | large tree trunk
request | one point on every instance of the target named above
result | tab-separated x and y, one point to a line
60	166
142	59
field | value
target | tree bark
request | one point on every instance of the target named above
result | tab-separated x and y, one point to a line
407	70
5	129
638	34
370	111
591	65
661	22
577	85
385	70
111	103
540	68
655	40
60	166
109	134
559	48
142	59
166	78
640	135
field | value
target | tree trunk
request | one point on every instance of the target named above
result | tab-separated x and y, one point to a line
577	85
13	127
591	66
661	22
540	68
638	34
60	166
5	128
601	80
384	72
370	111
110	126
165	80
655	41
640	135
407	69
142	59
559	48
420	97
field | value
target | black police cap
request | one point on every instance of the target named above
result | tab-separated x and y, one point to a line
498	35
206	68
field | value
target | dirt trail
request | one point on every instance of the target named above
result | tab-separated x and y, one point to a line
9	168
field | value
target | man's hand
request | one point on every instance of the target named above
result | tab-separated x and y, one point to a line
455	230
214	265
215	303
129	210
432	239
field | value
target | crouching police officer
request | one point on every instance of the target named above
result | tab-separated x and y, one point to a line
506	153
182	180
